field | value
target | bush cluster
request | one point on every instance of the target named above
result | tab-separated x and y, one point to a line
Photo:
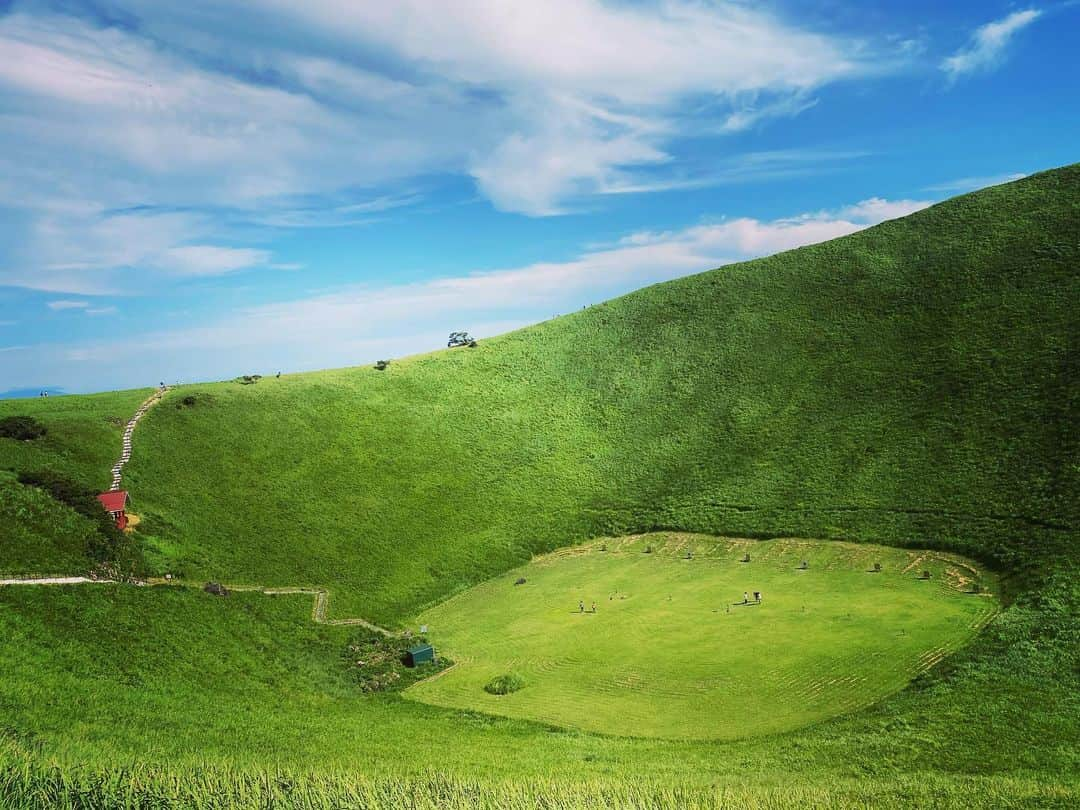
504	684
22	428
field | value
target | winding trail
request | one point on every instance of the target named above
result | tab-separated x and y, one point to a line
318	608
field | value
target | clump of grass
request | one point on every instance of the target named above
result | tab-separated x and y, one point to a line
505	684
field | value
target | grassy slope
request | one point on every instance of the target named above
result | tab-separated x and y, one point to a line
915	384
38	535
910	383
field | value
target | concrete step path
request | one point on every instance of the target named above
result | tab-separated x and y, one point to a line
129	429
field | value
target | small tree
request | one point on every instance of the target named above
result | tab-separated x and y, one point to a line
382	364
460	339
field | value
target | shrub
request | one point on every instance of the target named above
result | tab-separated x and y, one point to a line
504	684
23	428
461	339
382	364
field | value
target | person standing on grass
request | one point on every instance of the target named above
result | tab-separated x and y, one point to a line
757	597
594	607
745	598
581	606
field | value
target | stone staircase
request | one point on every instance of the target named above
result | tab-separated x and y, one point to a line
125	453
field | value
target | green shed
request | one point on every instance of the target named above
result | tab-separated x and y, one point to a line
420	654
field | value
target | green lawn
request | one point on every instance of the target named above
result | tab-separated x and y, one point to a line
672	652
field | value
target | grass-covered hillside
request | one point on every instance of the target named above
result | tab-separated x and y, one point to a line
915	384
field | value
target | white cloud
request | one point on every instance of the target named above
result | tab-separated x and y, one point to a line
360	323
305	119
965	184
91	252
67	304
197	105
101	311
877	210
987	47
209	260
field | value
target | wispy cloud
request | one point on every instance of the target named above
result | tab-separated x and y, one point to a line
356	323
877	210
988	45
208	260
306	119
63	304
965	184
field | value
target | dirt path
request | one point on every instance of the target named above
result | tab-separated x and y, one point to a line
52	581
318	608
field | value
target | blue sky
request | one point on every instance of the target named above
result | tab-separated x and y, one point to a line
197	190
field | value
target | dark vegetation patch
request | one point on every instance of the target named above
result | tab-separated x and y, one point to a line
21	428
248	379
115	551
377	662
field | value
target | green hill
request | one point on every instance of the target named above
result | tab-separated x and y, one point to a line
915	384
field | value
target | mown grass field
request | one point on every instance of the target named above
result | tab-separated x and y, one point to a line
914	385
671	651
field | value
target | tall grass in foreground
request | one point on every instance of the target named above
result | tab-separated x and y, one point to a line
27	785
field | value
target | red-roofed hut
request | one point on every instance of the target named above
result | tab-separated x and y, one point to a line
115	503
